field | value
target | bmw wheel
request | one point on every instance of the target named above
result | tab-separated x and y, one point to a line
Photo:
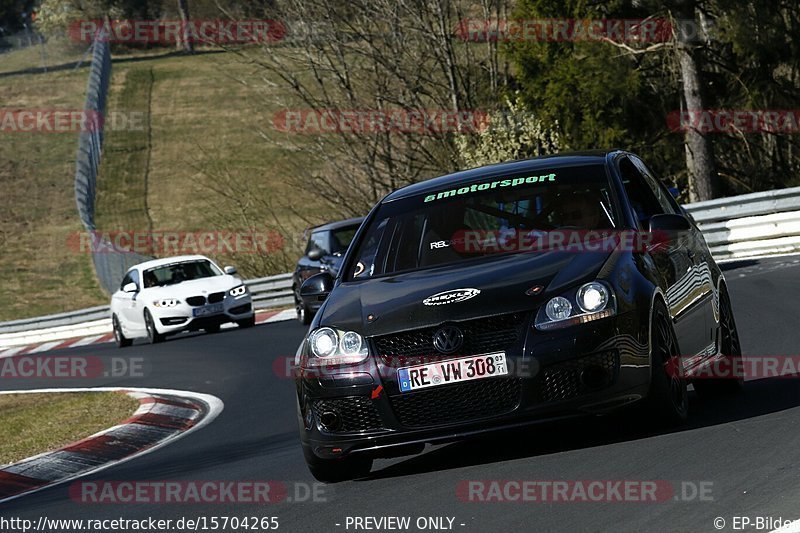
119	337
152	333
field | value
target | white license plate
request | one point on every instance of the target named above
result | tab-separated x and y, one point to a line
452	371
212	309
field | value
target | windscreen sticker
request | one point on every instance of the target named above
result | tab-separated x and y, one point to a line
476	187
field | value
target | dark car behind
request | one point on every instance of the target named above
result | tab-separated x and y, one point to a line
324	251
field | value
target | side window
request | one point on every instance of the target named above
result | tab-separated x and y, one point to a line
640	195
131	277
127	279
665	199
319	240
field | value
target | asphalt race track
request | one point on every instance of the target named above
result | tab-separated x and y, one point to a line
747	446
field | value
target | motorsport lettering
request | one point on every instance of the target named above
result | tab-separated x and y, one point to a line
491	185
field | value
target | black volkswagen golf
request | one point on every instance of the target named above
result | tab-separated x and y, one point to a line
505	295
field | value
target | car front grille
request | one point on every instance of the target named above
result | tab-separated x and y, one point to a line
562	381
196	301
356	414
481	335
216	297
457	403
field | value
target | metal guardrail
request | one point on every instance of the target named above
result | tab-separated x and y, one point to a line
743	226
735	227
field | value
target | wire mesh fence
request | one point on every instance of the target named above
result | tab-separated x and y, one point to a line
110	263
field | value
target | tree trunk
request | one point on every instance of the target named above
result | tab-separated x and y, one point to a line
699	149
185	42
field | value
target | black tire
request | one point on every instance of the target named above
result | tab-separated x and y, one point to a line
152	333
668	399
247	322
729	347
213	328
337	470
121	340
304	314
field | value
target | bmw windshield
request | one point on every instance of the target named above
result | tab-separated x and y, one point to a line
179	272
464	222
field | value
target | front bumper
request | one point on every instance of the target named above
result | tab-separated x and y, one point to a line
590	368
182	316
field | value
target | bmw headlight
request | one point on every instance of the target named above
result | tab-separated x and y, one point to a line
241	290
329	346
591	301
166	302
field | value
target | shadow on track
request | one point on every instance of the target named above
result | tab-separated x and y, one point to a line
759	398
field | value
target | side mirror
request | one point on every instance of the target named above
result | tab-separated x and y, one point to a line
315	254
669	223
317	287
230	270
667	228
130	288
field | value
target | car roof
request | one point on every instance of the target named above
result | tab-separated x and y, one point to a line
339	224
465	177
169	261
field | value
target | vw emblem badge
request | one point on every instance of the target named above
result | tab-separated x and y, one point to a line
448	339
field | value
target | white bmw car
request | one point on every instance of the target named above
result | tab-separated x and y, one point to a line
186	293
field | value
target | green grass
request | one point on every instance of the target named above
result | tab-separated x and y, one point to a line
202	140
36	423
41	274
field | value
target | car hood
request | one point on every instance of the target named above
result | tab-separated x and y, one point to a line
396	301
195	287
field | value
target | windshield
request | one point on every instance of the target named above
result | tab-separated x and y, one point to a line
441	227
178	272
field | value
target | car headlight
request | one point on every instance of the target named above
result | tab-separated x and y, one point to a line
591	301
329	346
241	290
166	302
592	297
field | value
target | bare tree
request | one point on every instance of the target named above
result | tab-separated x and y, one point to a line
381	56
185	42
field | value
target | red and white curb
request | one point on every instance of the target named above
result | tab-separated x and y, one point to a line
262	317
163	417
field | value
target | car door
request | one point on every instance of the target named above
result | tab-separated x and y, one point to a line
673	258
697	250
129	304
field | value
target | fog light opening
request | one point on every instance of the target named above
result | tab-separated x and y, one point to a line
330	420
595	376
